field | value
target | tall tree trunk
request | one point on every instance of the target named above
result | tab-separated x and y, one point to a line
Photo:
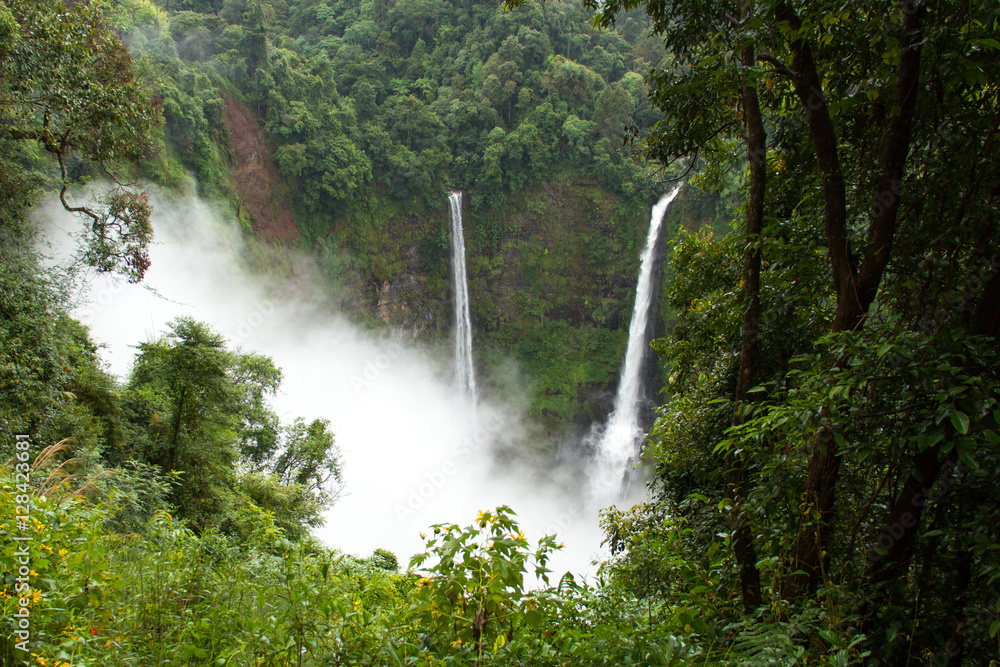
903	521
809	90
892	164
855	289
928	481
735	477
172	461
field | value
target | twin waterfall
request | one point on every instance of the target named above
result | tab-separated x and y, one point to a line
618	443
465	369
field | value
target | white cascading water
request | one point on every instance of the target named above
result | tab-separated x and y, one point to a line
464	366
619	442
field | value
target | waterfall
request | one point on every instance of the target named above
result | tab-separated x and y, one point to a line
464	366
619	443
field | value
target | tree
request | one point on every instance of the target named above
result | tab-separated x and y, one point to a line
502	76
188	370
205	414
756	148
310	459
864	104
68	85
256	379
612	112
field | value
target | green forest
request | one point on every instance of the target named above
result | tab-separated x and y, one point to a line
371	114
823	460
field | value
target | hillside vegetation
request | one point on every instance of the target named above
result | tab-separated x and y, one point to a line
358	117
825	461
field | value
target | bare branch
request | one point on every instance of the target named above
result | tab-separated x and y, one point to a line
779	67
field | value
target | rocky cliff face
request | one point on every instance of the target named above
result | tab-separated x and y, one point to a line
255	177
409	302
552	280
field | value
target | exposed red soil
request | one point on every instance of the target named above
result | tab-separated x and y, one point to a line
255	177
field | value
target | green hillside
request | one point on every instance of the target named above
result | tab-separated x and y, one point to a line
340	127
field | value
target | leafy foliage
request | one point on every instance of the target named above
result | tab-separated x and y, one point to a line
167	593
475	597
68	86
845	480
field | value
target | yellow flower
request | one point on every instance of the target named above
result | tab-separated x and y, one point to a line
457	642
423	536
46	547
63	552
32	573
107	643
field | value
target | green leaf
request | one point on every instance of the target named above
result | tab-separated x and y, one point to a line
927	440
967	458
960	421
828	636
723	446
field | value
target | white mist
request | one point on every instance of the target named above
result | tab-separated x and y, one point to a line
415	451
